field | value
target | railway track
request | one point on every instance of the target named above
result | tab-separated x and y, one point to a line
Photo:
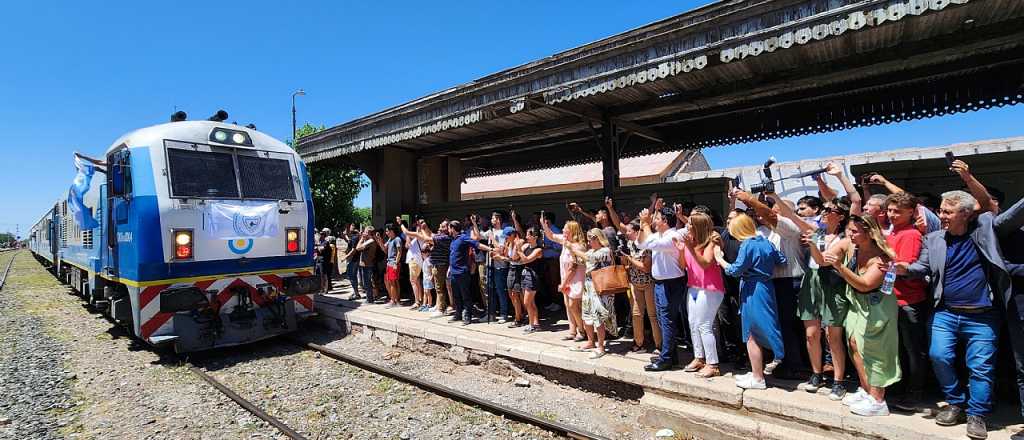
7	270
453	394
440	390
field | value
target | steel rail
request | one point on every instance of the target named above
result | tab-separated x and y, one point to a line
441	390
245	404
8	270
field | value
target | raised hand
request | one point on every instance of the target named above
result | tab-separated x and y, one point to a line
833	170
660	203
877	179
961	169
575	207
645	216
608	203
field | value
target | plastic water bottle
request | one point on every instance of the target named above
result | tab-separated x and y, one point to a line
819	239
890	279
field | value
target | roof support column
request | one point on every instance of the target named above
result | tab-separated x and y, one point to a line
392	174
611	151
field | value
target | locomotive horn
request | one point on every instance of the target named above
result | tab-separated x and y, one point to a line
178	116
220	116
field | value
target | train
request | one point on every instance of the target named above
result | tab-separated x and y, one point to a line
196	234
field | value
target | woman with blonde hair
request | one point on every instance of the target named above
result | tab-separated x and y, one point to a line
598	310
872	317
572	274
754	265
704	294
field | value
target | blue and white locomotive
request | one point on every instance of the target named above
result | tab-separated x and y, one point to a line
192	233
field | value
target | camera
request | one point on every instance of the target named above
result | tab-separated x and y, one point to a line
767	185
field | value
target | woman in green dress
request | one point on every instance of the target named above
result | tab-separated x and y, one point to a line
872	316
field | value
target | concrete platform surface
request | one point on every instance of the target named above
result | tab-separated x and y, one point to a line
782	400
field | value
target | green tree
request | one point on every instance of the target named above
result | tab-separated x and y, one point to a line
334	187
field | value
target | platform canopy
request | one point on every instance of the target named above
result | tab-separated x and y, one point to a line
730	72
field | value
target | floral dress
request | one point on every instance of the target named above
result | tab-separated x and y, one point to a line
598	310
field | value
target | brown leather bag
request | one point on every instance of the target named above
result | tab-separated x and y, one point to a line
610	280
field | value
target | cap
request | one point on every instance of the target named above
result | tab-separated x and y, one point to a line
326	230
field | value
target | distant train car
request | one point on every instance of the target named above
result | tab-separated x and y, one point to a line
42	239
197	234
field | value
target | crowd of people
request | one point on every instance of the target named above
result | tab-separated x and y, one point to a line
895	285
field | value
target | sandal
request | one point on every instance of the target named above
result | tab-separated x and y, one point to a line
694	365
636	348
567	338
709	371
580	349
579	338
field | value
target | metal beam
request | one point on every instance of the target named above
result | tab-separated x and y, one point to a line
595	116
520	134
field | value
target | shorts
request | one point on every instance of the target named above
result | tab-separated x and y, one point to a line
415	270
515	279
820	299
428	279
392	274
531	281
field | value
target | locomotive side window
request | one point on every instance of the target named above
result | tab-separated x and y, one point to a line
202	174
265	178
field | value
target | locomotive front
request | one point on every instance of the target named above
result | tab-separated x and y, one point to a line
210	234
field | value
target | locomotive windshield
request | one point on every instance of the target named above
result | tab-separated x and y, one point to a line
202	174
223	175
265	178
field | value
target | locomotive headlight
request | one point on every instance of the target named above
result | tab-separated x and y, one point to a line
291	240
182	244
231	137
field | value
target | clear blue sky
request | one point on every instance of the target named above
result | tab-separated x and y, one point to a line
76	75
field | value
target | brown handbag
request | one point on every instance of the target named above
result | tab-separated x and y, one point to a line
610	280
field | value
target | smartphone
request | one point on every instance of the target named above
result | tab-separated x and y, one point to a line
405	218
949	159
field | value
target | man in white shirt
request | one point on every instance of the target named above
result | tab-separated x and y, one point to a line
669	280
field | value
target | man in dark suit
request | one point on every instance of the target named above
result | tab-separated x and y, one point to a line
970	285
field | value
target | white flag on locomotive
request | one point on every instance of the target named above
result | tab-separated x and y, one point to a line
235	220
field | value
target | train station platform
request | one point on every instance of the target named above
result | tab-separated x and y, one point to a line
713	407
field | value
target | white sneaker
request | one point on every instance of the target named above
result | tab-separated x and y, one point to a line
436	314
869	407
749	383
770	367
433	309
852	398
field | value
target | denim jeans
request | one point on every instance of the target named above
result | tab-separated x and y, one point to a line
497	292
462	294
366	273
670	301
913	329
352	273
980	333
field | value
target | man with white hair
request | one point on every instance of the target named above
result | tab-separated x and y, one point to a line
970	285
